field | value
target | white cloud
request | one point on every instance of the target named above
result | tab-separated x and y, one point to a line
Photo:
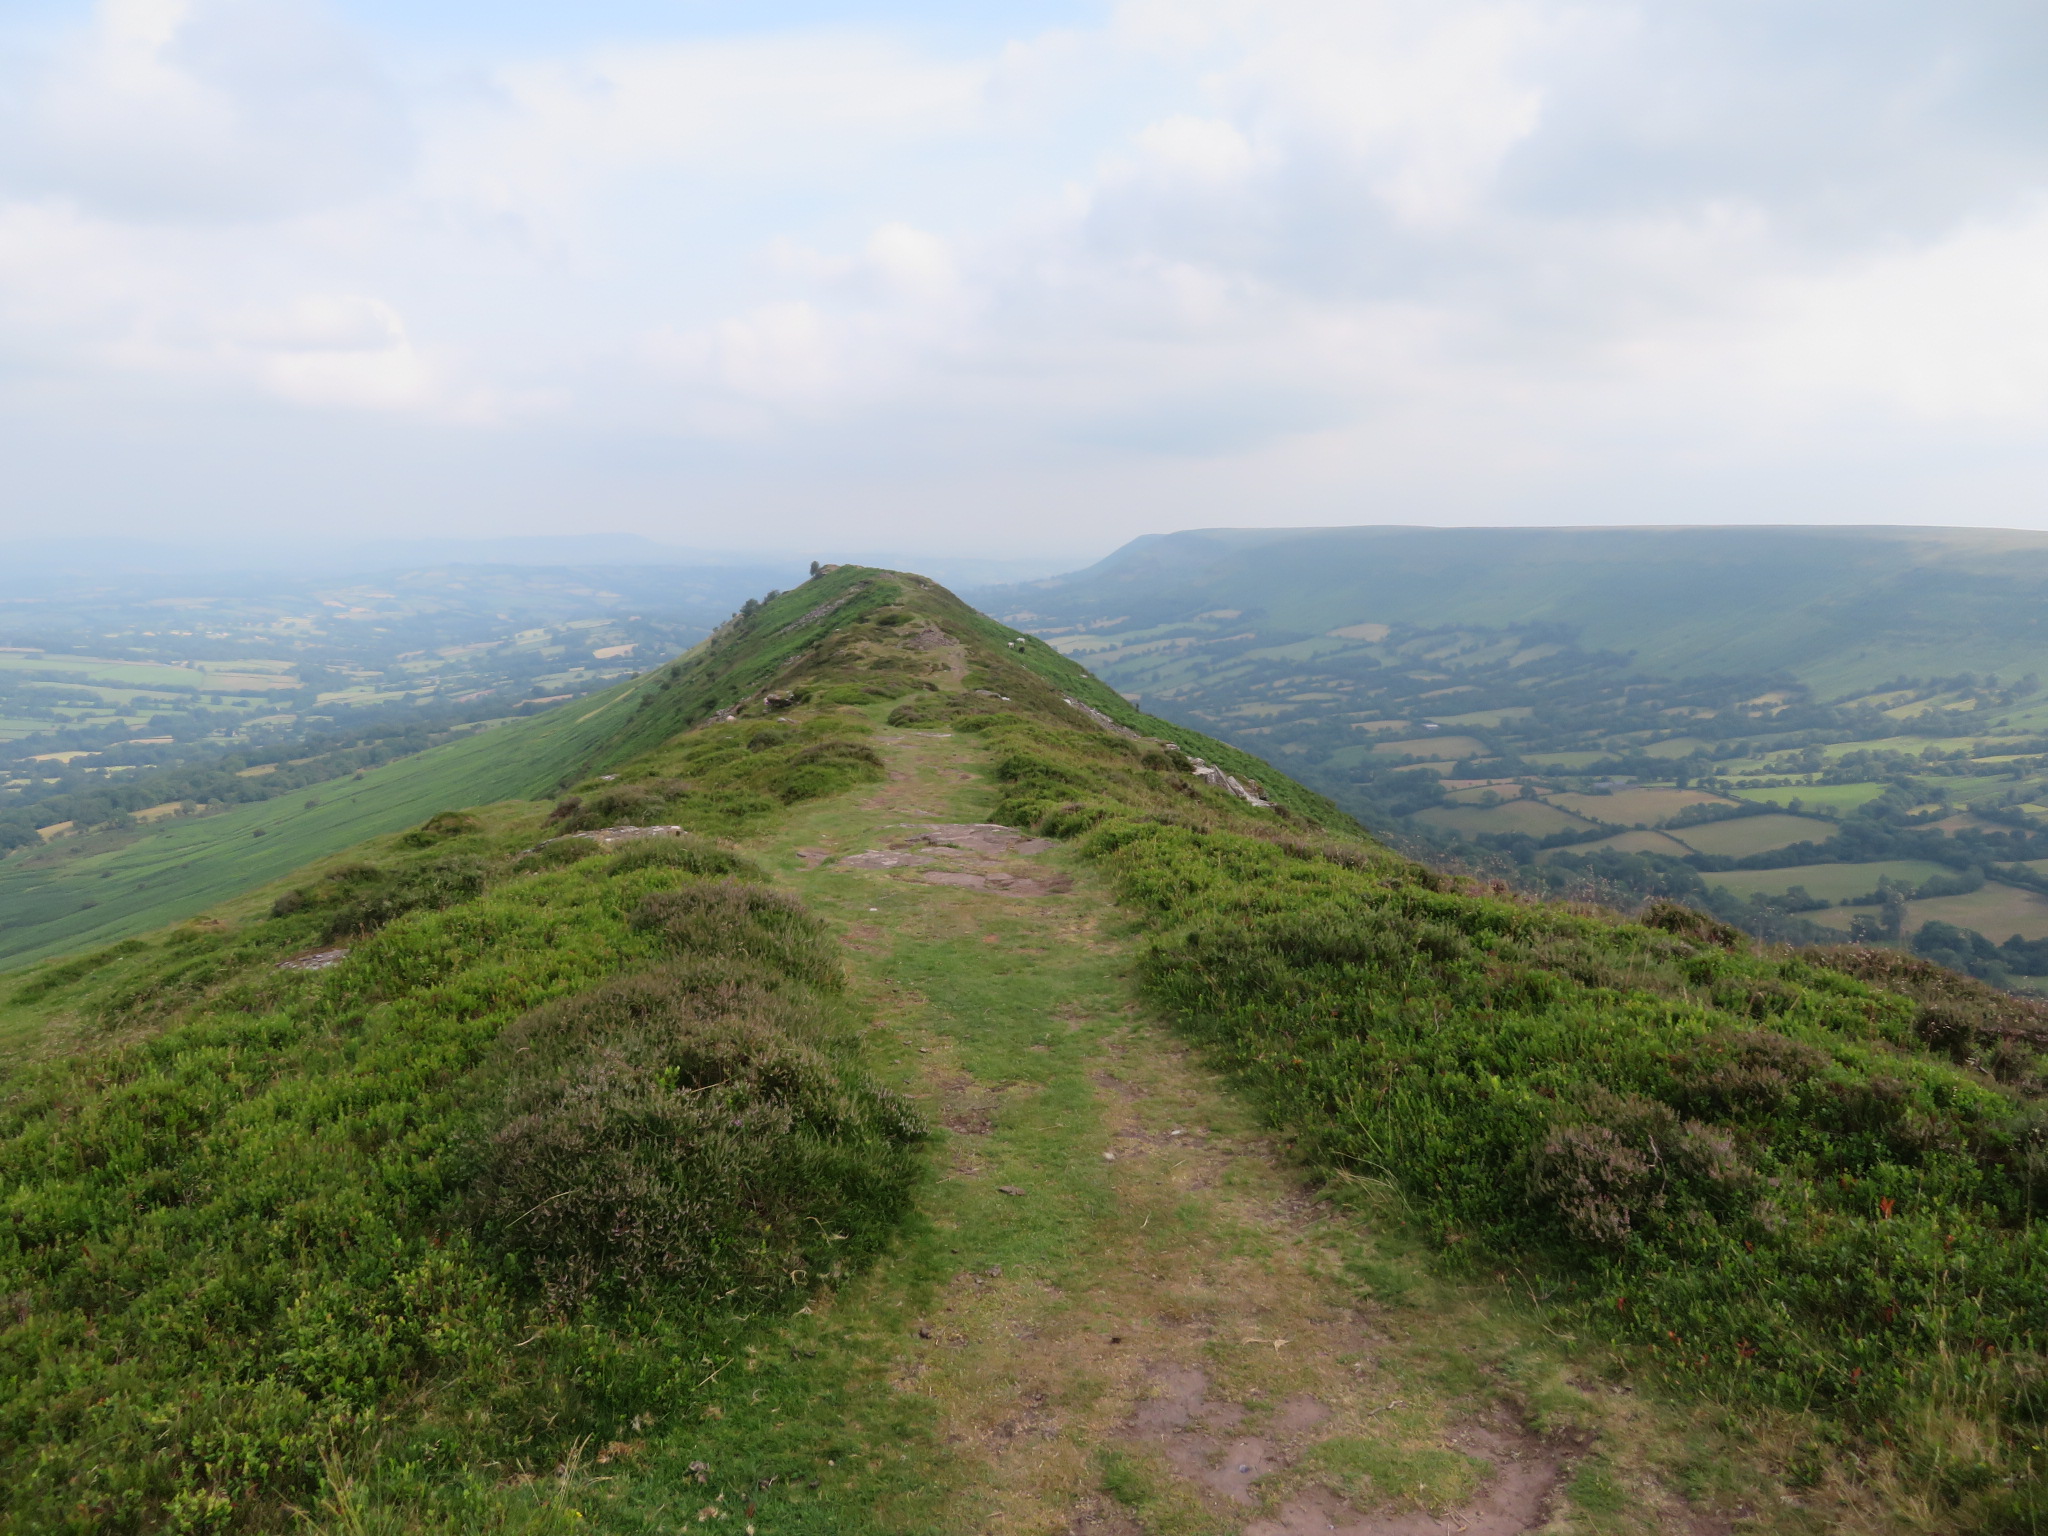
204	109
1215	260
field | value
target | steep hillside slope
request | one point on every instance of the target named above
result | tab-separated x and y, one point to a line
411	1192
80	895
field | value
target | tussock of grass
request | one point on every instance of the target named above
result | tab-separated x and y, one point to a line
685	1135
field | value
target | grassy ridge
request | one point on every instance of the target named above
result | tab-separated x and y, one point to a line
273	1231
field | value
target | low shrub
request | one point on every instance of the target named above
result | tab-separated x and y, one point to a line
743	922
426	887
679	1137
691	855
280	1235
440	827
618	805
556	853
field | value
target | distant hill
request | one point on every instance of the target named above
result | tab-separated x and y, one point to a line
1839	608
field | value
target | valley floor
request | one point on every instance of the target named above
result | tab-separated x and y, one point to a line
1120	1312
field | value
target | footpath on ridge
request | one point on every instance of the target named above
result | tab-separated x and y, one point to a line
1120	1313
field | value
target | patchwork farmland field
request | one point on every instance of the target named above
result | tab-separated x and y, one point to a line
1639	841
1755	834
1997	911
1531	817
1634	807
1433	747
1829	882
1838	797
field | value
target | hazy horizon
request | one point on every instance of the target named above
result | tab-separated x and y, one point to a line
1020	284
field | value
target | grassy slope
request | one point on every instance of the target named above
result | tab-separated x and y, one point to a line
1761	1159
1841	607
186	866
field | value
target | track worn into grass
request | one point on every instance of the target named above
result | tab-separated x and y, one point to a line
1122	1314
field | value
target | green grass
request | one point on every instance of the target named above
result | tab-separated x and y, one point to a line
1487	717
285	1238
1645	840
555	1130
1829	882
1635	807
1754	834
1446	746
1961	790
184	865
1839	797
1995	911
1528	816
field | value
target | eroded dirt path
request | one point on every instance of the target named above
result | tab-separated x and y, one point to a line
1139	1321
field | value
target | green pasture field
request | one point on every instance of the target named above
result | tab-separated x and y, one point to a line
1530	816
1565	760
103	670
1830	882
1912	746
1997	911
1434	746
1841	797
1634	807
1640	841
1677	746
1963	821
1479	793
1960	790
1488	718
1755	834
144	676
1304	650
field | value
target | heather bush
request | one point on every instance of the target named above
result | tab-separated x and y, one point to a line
683	1136
743	922
692	855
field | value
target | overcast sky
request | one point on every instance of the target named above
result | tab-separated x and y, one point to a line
1018	279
